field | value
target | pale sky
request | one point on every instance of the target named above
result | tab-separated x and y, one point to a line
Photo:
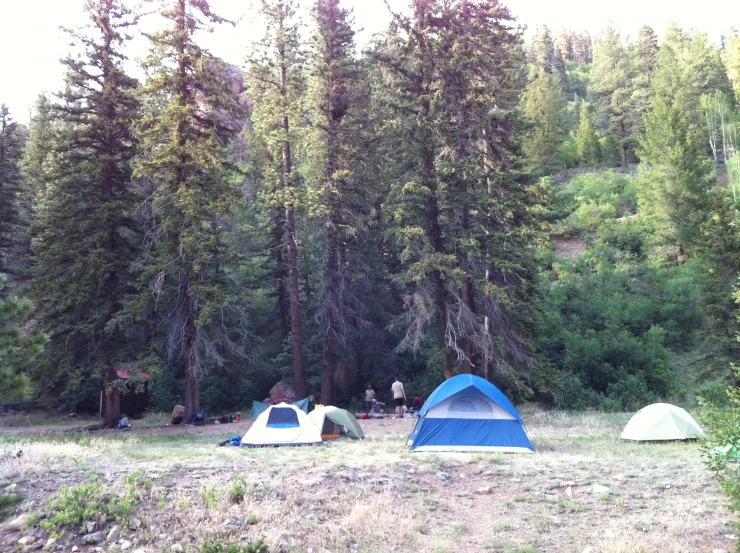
31	42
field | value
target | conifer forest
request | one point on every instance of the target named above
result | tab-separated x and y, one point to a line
553	211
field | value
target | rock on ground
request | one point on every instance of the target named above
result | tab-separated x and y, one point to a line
97	537
114	533
17	523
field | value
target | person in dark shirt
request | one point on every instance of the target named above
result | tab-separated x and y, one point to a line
418	404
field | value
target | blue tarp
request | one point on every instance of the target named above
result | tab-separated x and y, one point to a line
234	440
474	432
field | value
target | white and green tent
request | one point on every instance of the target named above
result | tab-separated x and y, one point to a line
333	422
661	422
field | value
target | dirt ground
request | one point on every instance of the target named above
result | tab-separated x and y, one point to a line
374	496
572	248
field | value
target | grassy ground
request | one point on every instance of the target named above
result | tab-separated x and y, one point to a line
374	495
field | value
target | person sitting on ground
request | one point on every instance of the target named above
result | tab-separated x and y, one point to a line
377	406
418	403
369	397
399	396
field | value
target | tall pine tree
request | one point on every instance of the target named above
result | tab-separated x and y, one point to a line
189	118
334	96
83	234
17	347
612	88
544	107
453	70
674	180
11	150
276	84
589	151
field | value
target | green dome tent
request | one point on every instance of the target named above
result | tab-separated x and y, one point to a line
330	421
661	422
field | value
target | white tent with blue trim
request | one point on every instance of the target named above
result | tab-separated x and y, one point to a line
282	424
468	413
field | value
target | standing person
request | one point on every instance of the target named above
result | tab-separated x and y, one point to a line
399	396
369	397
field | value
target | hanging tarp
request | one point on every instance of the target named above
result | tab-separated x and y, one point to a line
302	404
259	407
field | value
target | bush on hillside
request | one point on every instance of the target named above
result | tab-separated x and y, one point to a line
723	443
609	326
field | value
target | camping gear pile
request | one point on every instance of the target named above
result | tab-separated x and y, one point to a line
198	417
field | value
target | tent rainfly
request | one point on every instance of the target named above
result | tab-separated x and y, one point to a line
282	424
333	421
661	422
468	413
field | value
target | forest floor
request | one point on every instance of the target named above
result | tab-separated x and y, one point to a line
371	495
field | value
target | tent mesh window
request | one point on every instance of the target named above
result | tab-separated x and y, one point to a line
466	406
280	417
330	427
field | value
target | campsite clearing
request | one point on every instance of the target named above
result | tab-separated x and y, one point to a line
583	488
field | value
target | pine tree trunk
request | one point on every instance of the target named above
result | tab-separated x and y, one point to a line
470	364
429	181
623	135
488	362
277	245
112	398
301	389
435	233
487	365
330	291
346	380
328	370
331	259
190	349
468	293
299	375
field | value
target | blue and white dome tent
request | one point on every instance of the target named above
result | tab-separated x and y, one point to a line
468	413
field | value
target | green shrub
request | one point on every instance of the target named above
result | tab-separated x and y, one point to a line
238	490
209	495
576	396
71	506
568	152
608	326
8	503
628	393
722	446
715	393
